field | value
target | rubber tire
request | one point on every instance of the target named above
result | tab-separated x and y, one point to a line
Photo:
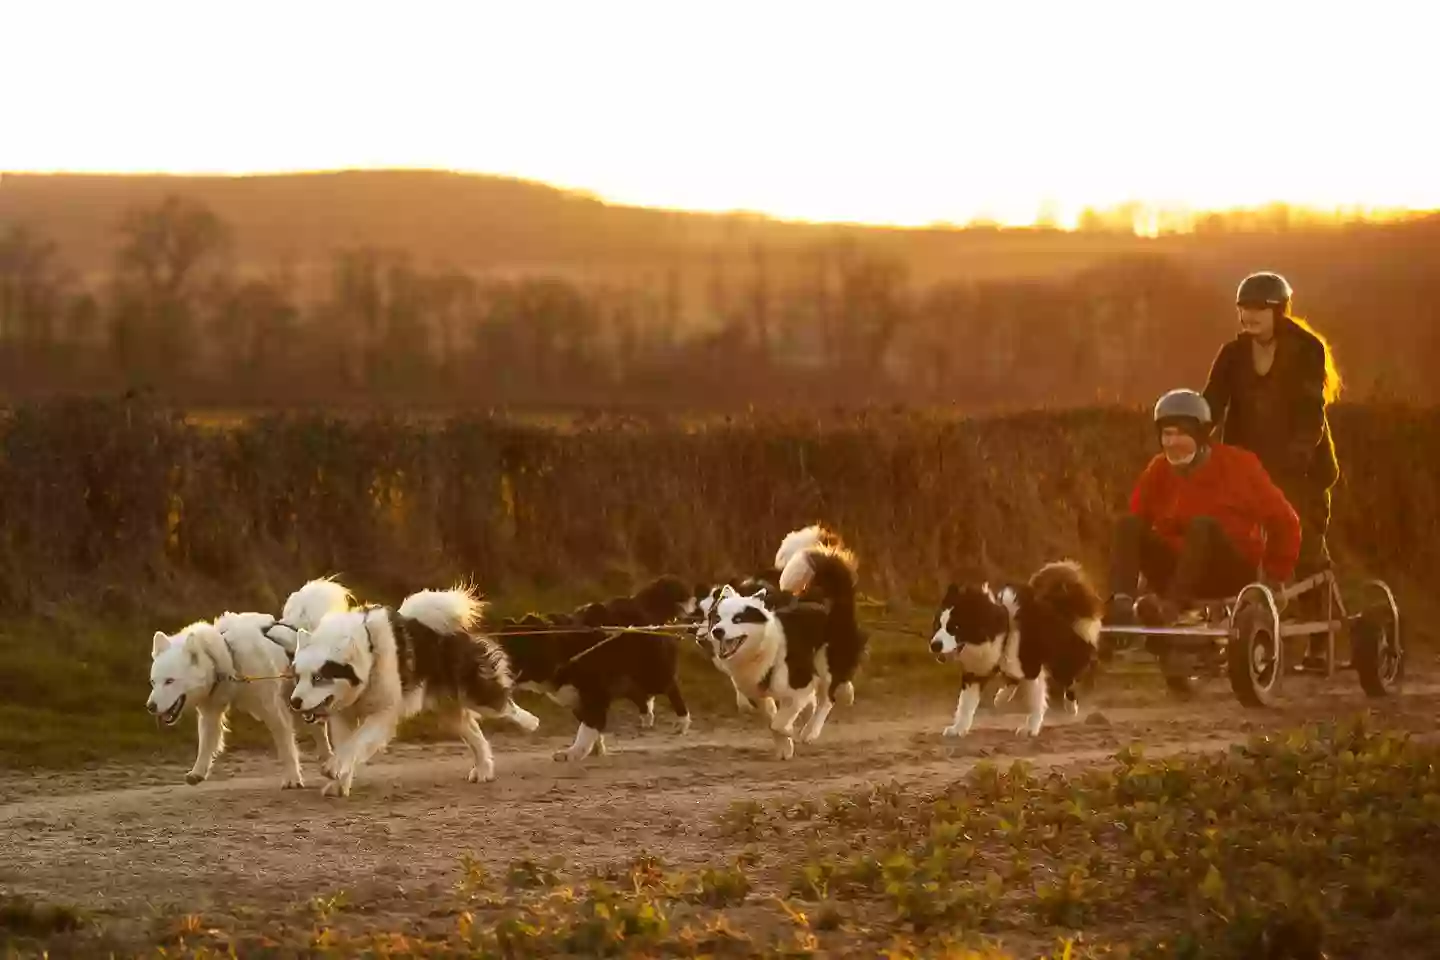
1249	619
1365	638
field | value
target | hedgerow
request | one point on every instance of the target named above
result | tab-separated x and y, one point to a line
118	503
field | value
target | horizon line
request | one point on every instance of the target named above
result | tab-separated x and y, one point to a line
1152	210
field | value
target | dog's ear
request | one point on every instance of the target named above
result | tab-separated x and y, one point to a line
159	645
725	591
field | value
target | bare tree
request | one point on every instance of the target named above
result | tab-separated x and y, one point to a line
160	285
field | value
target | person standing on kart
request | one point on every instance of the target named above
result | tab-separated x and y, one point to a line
1268	390
1204	518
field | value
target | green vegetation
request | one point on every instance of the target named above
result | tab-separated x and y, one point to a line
1324	838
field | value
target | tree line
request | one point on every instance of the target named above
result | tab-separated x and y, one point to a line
837	323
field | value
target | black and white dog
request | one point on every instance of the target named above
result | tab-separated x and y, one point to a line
366	670
772	578
583	666
1040	635
796	651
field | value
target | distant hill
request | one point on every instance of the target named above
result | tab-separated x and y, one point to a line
495	224
490	224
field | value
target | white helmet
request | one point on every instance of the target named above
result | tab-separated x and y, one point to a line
1183	404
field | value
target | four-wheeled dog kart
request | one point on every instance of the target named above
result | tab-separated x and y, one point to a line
1250	639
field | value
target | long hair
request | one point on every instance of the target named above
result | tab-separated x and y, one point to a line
1333	383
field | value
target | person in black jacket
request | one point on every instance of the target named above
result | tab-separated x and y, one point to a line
1269	389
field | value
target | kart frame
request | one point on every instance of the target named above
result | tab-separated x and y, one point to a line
1246	637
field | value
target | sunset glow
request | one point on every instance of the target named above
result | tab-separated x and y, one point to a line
902	113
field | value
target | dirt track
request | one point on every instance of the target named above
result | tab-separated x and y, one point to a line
131	844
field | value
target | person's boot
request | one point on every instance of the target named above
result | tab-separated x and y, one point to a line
1153	610
1120	611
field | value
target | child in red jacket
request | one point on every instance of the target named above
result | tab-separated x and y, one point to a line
1204	518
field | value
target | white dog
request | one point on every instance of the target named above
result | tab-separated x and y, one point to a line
366	670
211	667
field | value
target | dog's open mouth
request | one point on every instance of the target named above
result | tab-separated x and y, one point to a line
169	717
317	713
728	647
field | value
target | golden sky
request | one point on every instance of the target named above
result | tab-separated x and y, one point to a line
893	112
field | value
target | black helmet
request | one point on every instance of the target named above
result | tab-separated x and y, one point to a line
1183	405
1263	290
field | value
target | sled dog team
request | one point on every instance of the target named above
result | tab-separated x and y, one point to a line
786	637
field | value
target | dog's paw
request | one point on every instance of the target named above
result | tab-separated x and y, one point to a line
292	783
682	725
481	774
647	721
564	756
327	769
1072	707
335	789
742	703
193	778
955	730
784	748
810	734
845	694
1024	731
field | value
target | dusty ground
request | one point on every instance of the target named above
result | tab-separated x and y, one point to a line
136	847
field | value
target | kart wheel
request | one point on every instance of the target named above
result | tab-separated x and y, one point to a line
1255	655
1375	649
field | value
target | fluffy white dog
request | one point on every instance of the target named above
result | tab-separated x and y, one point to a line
212	668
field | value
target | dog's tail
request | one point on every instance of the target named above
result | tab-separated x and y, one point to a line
305	608
1064	588
806	538
456	610
830	570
